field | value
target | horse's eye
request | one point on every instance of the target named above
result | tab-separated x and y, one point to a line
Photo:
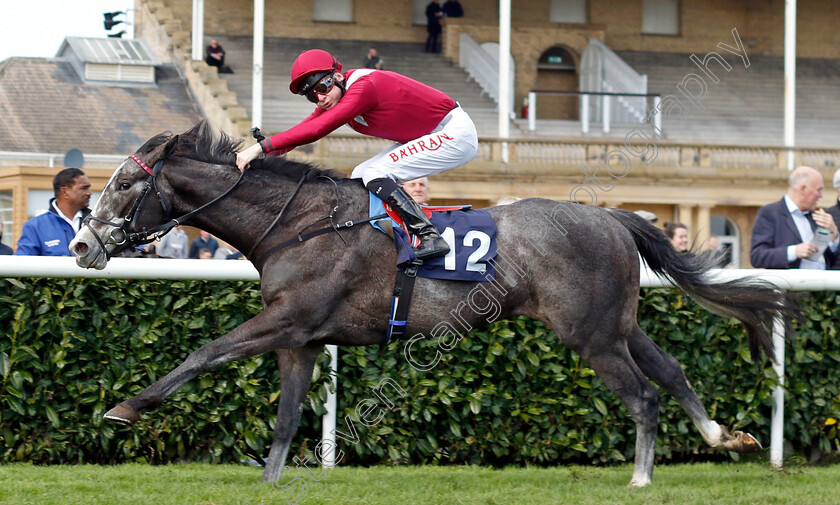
124	186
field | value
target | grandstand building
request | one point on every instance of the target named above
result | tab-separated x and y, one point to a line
671	106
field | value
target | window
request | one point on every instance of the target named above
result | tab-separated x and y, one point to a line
729	238
333	10
568	11
6	216
660	17
38	201
420	12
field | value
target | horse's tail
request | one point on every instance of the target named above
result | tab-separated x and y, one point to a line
752	301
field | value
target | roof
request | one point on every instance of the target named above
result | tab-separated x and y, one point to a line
46	107
109	50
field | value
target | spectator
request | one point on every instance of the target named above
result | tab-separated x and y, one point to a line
722	255
433	133
224	251
678	235
50	233
373	60
205	254
418	190
834	211
453	9
204	241
433	15
4	249
783	230
215	57
174	244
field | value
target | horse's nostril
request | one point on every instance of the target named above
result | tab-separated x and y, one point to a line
81	248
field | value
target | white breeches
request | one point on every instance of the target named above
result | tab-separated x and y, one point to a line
451	144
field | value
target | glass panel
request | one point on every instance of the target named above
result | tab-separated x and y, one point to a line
660	17
333	10
567	11
6	216
39	201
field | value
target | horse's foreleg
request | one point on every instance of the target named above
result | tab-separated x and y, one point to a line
264	332
663	369
296	367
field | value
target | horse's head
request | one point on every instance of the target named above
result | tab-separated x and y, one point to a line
130	206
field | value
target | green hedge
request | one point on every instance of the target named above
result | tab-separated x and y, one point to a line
510	394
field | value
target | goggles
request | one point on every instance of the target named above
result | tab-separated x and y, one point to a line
317	83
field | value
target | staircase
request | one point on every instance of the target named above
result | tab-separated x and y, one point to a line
282	110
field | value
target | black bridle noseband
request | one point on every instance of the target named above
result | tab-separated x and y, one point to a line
122	233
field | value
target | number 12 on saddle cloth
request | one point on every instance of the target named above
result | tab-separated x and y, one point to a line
470	233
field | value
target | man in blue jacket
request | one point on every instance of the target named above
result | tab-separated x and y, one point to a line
783	231
50	233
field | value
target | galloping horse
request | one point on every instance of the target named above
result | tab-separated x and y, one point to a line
574	267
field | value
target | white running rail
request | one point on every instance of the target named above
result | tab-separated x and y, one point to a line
149	268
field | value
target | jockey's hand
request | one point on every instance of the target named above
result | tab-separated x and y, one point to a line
244	158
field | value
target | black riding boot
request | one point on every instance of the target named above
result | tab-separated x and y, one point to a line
432	244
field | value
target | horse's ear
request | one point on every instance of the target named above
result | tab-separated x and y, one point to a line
163	151
170	145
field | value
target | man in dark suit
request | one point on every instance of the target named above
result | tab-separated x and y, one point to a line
834	210
783	230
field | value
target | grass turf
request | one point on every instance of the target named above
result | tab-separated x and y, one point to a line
188	484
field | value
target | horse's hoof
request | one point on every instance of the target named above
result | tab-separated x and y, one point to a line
742	443
122	414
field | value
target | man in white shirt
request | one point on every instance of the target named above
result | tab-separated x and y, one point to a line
174	244
50	233
418	190
784	231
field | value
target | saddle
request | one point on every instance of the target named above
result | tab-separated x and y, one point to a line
470	233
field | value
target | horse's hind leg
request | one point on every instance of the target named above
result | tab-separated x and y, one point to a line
296	367
616	368
663	369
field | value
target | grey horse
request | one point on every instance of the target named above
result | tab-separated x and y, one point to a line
574	267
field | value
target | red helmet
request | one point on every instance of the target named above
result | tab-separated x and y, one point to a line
312	62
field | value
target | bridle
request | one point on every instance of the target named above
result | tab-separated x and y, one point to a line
122	233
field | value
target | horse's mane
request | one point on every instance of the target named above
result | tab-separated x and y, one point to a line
204	143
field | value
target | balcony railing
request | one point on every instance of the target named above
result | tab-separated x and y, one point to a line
345	151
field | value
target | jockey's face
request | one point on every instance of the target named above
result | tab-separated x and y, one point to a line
331	98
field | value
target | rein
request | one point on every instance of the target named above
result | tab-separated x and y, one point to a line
306	236
303	237
122	232
279	215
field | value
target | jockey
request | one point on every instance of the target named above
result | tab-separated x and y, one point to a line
433	133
